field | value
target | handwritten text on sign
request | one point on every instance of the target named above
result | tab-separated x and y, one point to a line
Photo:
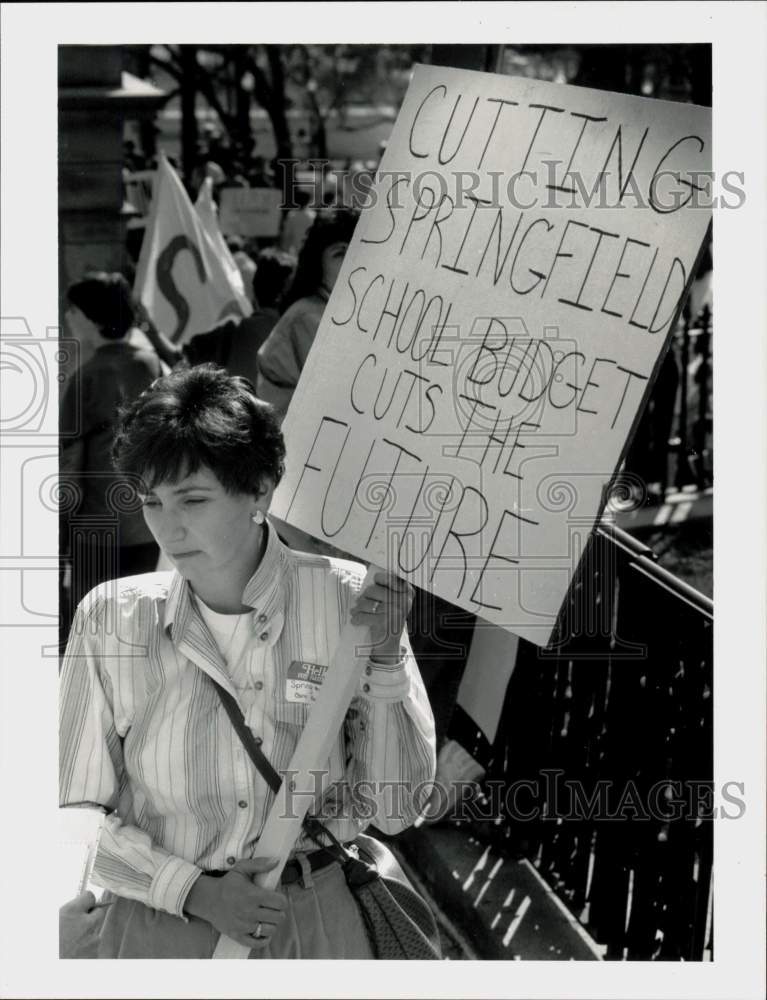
494	331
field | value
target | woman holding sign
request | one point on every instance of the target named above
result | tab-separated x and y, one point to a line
143	734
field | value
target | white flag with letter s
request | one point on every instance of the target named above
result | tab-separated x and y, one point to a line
180	279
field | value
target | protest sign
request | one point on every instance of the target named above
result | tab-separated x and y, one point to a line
493	334
250	211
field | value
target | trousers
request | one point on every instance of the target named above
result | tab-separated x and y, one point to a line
322	921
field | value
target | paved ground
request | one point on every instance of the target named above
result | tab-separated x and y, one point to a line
455	945
452	949
490	906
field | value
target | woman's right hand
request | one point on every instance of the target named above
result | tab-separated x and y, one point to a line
79	926
235	906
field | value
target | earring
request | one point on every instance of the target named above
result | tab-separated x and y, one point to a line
258	517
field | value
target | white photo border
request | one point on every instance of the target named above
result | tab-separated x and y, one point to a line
29	964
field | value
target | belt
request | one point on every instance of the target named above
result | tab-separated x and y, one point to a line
292	871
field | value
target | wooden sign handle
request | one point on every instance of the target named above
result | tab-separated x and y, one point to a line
283	825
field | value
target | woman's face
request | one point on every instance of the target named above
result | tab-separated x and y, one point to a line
332	258
206	532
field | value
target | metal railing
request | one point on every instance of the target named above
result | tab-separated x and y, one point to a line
603	763
673	445
693	444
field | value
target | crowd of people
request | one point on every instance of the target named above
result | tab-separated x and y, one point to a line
216	156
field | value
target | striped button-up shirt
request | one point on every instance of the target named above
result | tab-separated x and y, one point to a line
143	733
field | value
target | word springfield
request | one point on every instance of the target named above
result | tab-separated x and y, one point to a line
484	358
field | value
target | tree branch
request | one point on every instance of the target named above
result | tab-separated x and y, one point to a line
206	87
169	66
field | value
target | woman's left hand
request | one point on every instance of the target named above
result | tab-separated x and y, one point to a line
384	606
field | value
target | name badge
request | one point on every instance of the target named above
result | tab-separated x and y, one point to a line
303	682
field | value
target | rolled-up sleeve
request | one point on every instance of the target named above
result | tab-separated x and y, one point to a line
91	771
391	739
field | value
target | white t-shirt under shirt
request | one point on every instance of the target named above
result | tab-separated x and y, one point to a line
245	664
231	632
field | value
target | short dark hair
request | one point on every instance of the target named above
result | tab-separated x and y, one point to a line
197	417
274	269
107	301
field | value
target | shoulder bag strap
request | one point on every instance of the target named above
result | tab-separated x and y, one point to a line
255	753
312	826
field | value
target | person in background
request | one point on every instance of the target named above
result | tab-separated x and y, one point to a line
297	223
146	332
234	345
132	159
103	536
282	357
246	265
207	167
234	243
